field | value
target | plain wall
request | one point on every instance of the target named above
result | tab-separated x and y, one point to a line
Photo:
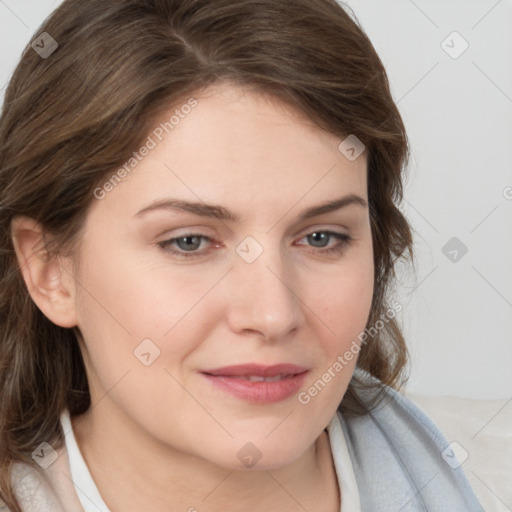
458	114
457	108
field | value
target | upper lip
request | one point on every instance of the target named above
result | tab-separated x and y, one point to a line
243	370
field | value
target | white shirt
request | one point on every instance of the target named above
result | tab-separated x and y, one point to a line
86	489
92	501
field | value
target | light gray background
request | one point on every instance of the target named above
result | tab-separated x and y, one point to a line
457	315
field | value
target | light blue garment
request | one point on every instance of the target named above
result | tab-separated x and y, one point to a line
396	451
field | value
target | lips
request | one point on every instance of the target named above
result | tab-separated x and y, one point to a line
258	383
257	370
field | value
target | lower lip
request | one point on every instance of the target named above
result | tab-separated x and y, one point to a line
259	391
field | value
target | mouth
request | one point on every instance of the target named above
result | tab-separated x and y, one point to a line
257	370
258	378
258	383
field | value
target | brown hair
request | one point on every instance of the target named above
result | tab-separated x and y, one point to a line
71	118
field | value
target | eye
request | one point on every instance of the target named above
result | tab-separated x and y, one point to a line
189	244
323	237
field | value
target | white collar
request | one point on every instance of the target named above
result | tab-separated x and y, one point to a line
86	489
350	500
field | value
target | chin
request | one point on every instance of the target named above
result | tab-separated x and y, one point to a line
257	455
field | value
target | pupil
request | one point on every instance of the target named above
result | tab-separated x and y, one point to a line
187	239
322	238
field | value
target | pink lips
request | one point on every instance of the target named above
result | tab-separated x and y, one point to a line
259	383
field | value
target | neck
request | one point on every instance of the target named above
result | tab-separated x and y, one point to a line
143	474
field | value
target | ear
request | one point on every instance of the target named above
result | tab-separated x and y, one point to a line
49	282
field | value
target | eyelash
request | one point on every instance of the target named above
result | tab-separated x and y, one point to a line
343	241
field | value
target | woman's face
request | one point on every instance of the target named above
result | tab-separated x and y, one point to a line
162	319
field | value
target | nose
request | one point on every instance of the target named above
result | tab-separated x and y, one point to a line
264	297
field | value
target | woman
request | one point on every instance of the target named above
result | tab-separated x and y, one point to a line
199	230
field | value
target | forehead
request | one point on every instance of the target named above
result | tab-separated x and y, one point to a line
240	147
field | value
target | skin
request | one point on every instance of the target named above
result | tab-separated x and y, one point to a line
161	437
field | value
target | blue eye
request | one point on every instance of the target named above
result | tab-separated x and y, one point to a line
187	245
343	240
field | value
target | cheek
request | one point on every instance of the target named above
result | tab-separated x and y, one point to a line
346	302
133	295
126	300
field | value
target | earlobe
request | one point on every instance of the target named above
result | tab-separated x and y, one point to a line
50	285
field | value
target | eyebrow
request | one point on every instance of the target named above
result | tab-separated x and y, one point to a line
222	213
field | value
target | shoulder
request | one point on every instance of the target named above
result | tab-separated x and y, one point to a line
480	432
394	415
33	491
46	485
422	468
